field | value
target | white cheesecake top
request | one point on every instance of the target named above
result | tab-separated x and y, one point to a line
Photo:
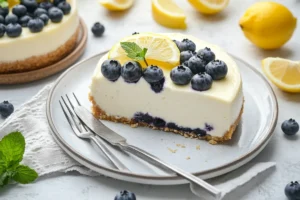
33	44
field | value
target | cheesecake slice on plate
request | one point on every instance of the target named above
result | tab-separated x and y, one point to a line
171	82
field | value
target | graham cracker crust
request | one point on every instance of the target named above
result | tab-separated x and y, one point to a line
37	62
100	114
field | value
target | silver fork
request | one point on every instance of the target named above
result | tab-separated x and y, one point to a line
84	132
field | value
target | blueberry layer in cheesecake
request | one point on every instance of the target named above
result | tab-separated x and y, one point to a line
181	85
35	34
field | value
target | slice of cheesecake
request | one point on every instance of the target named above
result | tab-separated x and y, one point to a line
210	110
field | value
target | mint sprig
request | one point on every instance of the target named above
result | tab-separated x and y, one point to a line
3	3
134	51
12	148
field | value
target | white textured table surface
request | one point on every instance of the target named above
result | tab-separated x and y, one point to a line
222	30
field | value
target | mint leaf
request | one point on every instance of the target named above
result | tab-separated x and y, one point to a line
3	4
12	147
3	164
4	179
131	48
24	174
143	52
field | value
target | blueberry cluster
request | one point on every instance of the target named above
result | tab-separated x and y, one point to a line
33	15
200	68
6	109
132	71
160	123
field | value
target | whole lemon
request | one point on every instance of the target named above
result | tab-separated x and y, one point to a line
268	25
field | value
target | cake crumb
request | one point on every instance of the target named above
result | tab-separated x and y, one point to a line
134	125
198	147
188	158
180	145
212	142
172	151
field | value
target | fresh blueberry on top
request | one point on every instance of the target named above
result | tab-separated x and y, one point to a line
40	11
292	191
2	20
23	21
56	2
11	19
19	10
179	45
46	5
290	127
196	64
45	18
4	11
188	45
31	5
135	33
181	75
201	82
111	69
2	30
55	14
6	109
65	7
153	74
185	56
206	54
217	69
98	29
13	30
125	195
36	25
131	72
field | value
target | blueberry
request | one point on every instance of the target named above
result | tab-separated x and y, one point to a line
4	11
56	2
131	72
40	11
98	29
172	125
55	14
11	19
200	132
159	122
292	191
201	82
6	109
185	56
36	25
23	21
31	5
46	5
13	30
111	69
290	127
158	86
196	64
45	18
65	7
125	195
181	75
19	10
179	45
153	74
141	117
2	30
188	45
206	54
135	33
2	20
217	69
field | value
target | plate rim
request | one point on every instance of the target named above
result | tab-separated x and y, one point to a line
237	162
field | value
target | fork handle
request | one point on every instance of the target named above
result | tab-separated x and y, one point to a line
114	160
198	186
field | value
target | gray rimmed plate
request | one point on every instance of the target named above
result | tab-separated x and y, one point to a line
198	157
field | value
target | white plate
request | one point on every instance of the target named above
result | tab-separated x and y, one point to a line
254	132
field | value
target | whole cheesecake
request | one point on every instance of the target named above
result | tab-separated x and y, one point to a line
37	49
211	114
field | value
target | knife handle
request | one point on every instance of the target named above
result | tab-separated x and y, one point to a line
198	186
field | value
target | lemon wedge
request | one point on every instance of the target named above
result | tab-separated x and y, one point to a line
209	6
167	13
285	74
162	51
116	5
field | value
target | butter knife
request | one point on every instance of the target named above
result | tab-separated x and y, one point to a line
197	185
